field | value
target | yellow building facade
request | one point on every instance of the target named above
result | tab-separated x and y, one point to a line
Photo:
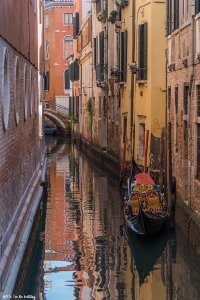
143	96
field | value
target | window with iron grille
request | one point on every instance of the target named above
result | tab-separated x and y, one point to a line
142	51
198	151
198	100
185	100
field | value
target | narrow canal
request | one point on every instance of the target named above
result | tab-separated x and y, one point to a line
79	248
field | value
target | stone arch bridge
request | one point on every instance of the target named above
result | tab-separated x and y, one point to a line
58	114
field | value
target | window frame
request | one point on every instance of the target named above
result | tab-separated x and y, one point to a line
68	39
68	23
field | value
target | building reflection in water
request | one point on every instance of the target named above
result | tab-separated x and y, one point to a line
89	254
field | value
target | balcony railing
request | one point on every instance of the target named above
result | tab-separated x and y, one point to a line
100	72
142	74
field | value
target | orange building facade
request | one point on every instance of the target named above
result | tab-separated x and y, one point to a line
59	18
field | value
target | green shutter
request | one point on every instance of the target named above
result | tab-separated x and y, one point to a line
125	53
176	14
97	57
101	37
76	71
77	23
122	51
145	44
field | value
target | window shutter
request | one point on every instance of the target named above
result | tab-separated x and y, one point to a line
97	48
77	106
101	37
139	46
45	82
76	71
125	53
71	106
74	27
67	83
95	57
122	56
197	6
176	14
145	44
77	23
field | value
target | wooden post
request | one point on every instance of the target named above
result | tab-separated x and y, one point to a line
161	158
169	190
146	150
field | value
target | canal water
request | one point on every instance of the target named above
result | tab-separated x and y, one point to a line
79	247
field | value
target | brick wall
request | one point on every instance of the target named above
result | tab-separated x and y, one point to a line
20	147
184	159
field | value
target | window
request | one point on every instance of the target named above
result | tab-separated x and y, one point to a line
16	89
25	93
173	15
169	97
142	51
46	21
77	107
198	100
5	89
198	151
47	49
141	141
99	107
68	46
125	129
68	19
47	81
66	80
197	6
31	92
71	106
185	100
176	121
123	55
99	56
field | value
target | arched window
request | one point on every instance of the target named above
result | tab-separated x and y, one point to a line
66	80
5	89
68	46
25	93
47	49
16	89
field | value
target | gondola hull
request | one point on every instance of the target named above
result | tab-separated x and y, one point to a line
145	224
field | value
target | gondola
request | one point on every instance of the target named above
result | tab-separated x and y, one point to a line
145	209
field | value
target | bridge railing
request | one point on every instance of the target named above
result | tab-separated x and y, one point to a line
64	111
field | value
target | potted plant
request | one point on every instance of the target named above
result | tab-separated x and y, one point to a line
133	68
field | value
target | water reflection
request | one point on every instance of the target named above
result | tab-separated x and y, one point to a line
88	252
